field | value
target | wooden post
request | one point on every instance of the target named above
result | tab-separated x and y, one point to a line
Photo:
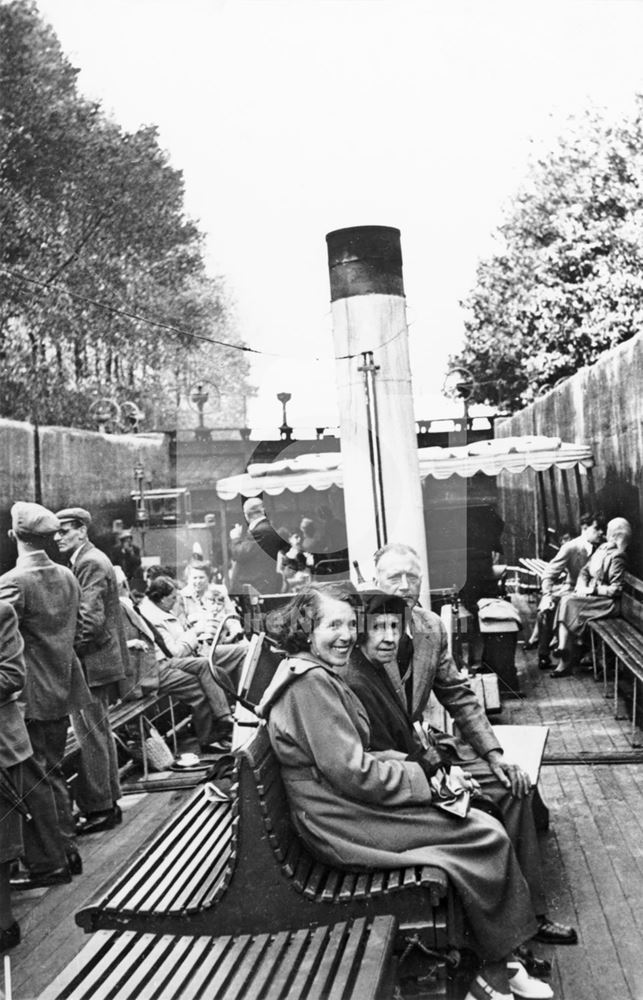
225	552
579	489
568	502
554	499
382	492
541	546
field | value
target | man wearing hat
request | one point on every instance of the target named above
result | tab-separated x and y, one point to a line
127	555
101	646
46	599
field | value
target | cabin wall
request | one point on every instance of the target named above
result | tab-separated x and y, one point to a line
600	406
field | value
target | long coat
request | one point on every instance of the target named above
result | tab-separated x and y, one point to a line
359	809
100	641
605	573
256	558
14	739
46	599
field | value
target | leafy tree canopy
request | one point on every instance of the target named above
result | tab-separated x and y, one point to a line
566	282
92	214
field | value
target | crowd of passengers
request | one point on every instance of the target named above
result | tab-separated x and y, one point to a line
388	790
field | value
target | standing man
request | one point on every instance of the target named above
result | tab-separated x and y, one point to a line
256	555
567	563
14	750
46	599
100	644
425	665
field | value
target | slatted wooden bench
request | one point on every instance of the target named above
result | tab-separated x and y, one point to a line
350	960
182	871
621	639
252	874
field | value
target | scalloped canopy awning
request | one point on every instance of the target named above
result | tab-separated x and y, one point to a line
321	471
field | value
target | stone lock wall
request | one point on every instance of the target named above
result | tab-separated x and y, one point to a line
68	467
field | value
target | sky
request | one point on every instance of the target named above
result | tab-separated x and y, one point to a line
292	118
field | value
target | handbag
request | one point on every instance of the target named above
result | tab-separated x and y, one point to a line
159	756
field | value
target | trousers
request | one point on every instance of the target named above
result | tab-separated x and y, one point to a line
188	679
50	836
98	786
545	631
518	821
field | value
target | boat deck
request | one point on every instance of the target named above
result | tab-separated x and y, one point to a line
593	853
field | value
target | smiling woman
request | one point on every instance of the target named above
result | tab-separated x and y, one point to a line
361	809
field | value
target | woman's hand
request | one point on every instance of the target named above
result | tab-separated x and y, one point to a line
469	782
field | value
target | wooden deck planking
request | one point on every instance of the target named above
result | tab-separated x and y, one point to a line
607	927
50	936
592	856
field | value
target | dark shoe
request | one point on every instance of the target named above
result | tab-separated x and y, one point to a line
99	821
75	863
10	937
562	672
40	880
549	932
535	966
530	644
544	663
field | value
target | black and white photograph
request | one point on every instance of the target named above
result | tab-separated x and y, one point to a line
321	524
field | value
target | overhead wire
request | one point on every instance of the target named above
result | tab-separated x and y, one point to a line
172	328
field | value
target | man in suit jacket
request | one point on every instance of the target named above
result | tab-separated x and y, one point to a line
101	646
566	564
256	555
46	599
425	666
15	748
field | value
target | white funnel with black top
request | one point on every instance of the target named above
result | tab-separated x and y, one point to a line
382	492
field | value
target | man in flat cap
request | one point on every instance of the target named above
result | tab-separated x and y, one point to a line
101	646
46	599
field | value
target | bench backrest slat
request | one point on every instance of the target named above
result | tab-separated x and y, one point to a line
632	601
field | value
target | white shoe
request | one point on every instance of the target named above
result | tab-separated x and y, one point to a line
524	985
481	990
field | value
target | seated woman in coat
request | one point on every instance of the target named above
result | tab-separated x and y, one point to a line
360	809
597	594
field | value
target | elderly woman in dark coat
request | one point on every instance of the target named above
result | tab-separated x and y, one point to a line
357	808
597	594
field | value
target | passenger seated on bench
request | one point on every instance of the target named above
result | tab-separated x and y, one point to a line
178	653
597	594
424	666
361	809
367	675
206	603
560	578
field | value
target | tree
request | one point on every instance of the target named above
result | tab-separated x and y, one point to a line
95	242
566	282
